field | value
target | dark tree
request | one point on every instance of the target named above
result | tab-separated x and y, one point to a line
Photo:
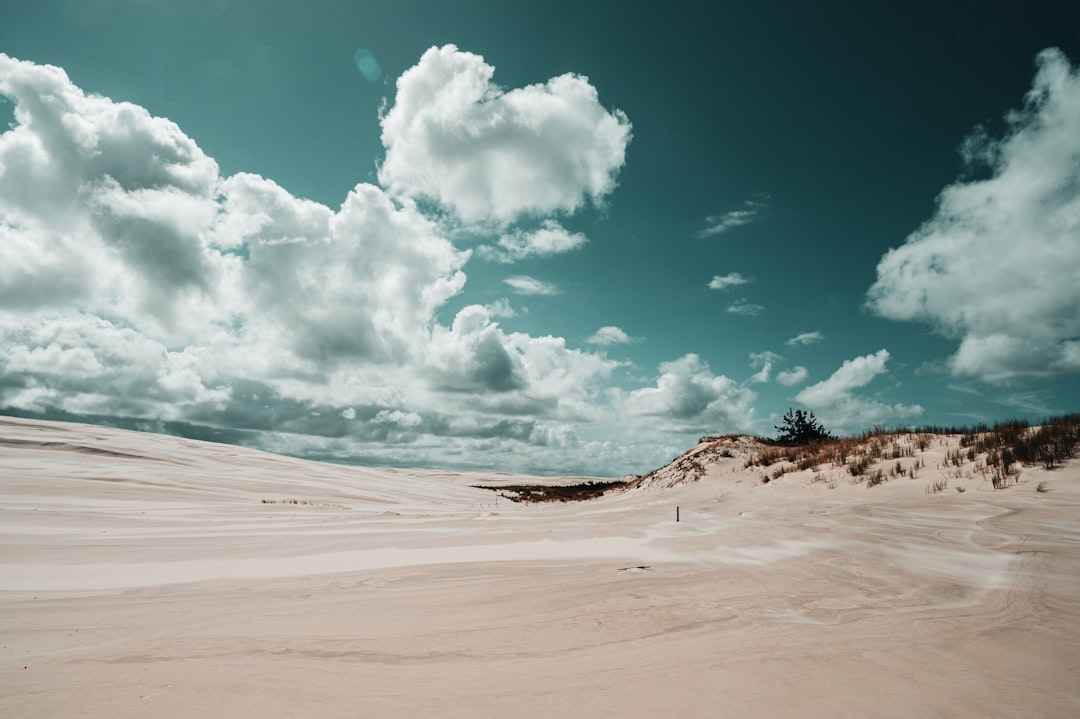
800	427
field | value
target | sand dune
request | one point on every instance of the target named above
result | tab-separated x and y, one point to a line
143	575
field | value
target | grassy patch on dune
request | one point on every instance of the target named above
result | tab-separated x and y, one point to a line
995	450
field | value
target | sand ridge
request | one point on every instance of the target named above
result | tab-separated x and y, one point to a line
143	575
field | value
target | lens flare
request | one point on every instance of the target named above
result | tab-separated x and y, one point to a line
367	65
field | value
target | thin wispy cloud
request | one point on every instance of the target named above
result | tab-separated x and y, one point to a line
745	308
726	282
806	338
752	210
525	285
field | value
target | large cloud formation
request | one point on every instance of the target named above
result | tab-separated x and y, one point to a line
998	265
494	156
137	283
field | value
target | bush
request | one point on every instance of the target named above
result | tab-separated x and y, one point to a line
800	427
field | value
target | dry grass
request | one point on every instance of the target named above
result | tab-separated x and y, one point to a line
994	451
938	486
554	492
306	502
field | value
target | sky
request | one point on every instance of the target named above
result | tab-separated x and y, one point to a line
557	238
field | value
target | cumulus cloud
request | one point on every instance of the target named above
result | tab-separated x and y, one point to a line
493	155
131	207
998	265
100	197
745	308
363	286
724	282
806	338
525	285
689	396
138	283
501	308
471	355
834	399
550	239
790	378
88	365
751	211
609	335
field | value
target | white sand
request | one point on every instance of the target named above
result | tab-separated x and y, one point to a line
148	576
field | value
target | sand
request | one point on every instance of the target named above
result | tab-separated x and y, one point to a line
143	575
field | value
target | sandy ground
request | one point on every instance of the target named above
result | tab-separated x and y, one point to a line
148	576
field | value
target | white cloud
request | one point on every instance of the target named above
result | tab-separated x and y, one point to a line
556	373
609	335
745	308
471	356
92	366
407	420
792	377
724	282
690	397
550	239
806	338
501	308
135	282
835	401
101	199
852	374
998	265
138	283
525	285
718	224
764	361
494	155
362	283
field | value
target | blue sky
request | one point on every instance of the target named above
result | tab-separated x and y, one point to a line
562	238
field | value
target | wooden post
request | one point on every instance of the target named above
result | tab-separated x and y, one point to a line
676	513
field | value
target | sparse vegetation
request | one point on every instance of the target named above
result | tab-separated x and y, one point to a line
306	502
937	486
799	427
994	453
554	492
